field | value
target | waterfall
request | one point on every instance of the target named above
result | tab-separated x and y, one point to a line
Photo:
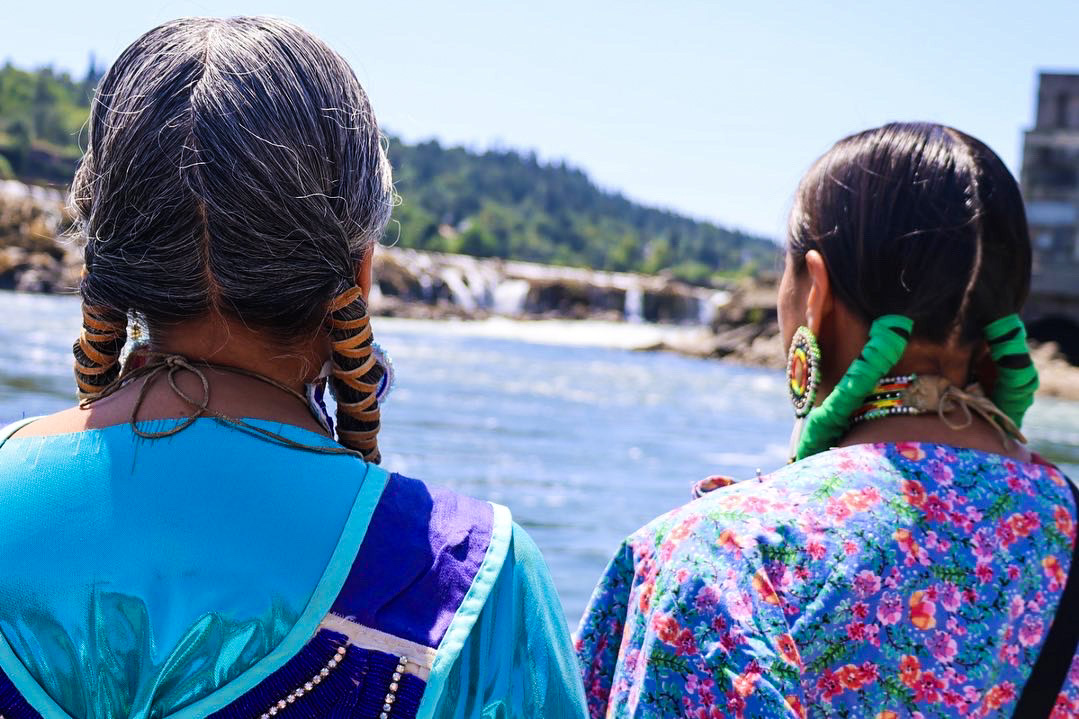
510	296
709	308
462	295
633	310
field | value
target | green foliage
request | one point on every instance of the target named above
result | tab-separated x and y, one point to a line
508	204
490	204
41	116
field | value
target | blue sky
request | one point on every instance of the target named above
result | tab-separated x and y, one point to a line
711	108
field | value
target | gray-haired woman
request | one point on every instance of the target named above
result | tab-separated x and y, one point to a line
191	540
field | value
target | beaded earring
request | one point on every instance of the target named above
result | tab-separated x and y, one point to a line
389	375
803	371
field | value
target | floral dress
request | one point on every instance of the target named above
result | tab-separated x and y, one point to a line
882	581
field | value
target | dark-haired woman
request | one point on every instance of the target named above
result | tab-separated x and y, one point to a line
192	540
912	561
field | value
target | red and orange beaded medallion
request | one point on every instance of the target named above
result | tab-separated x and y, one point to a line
803	371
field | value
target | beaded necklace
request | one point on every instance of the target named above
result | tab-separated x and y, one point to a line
915	394
888	399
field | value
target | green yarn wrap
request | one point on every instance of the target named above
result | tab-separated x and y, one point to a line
1017	378
888	338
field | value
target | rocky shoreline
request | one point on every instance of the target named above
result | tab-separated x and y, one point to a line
734	323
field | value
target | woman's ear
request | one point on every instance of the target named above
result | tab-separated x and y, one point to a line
820	302
364	275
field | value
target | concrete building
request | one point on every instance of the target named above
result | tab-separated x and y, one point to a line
1050	182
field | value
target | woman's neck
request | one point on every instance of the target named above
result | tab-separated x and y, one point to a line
217	340
979	435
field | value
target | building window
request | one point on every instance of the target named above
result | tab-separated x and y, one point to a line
1063	101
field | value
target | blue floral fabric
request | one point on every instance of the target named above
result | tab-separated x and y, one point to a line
883	581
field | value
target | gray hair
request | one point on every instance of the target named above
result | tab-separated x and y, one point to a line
233	165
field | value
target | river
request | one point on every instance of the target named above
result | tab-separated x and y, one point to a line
584	441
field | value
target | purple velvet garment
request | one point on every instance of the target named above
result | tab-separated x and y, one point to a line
422	550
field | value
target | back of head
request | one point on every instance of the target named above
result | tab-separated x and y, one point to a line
233	166
920	220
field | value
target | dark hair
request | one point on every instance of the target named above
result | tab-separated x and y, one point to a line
233	165
920	220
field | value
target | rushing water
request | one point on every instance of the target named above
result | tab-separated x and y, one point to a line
583	443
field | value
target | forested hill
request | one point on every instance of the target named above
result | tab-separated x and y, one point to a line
492	204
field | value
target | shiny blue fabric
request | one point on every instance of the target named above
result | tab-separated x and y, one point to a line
139	576
517	661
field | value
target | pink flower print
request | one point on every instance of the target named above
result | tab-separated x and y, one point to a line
890	608
816	550
1030	631
936	509
911	450
984	573
927	688
685	643
945	455
707	599
779	574
1056	574
872	634
860	610
922	611
1013	572
829	685
1010	653
1019	484
739	606
682	575
1016	608
1006	534
941	473
866	582
856	631
949	596
983	544
942	646
861	499
838	510
850	548
730	541
1063	520
1024	524
666	627
914	491
756	505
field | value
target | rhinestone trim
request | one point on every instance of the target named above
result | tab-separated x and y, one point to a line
391	695
308	685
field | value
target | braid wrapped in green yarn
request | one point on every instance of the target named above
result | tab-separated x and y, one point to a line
1017	379
888	338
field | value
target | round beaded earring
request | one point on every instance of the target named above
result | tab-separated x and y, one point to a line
803	371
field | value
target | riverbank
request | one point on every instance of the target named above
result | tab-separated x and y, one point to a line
736	322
